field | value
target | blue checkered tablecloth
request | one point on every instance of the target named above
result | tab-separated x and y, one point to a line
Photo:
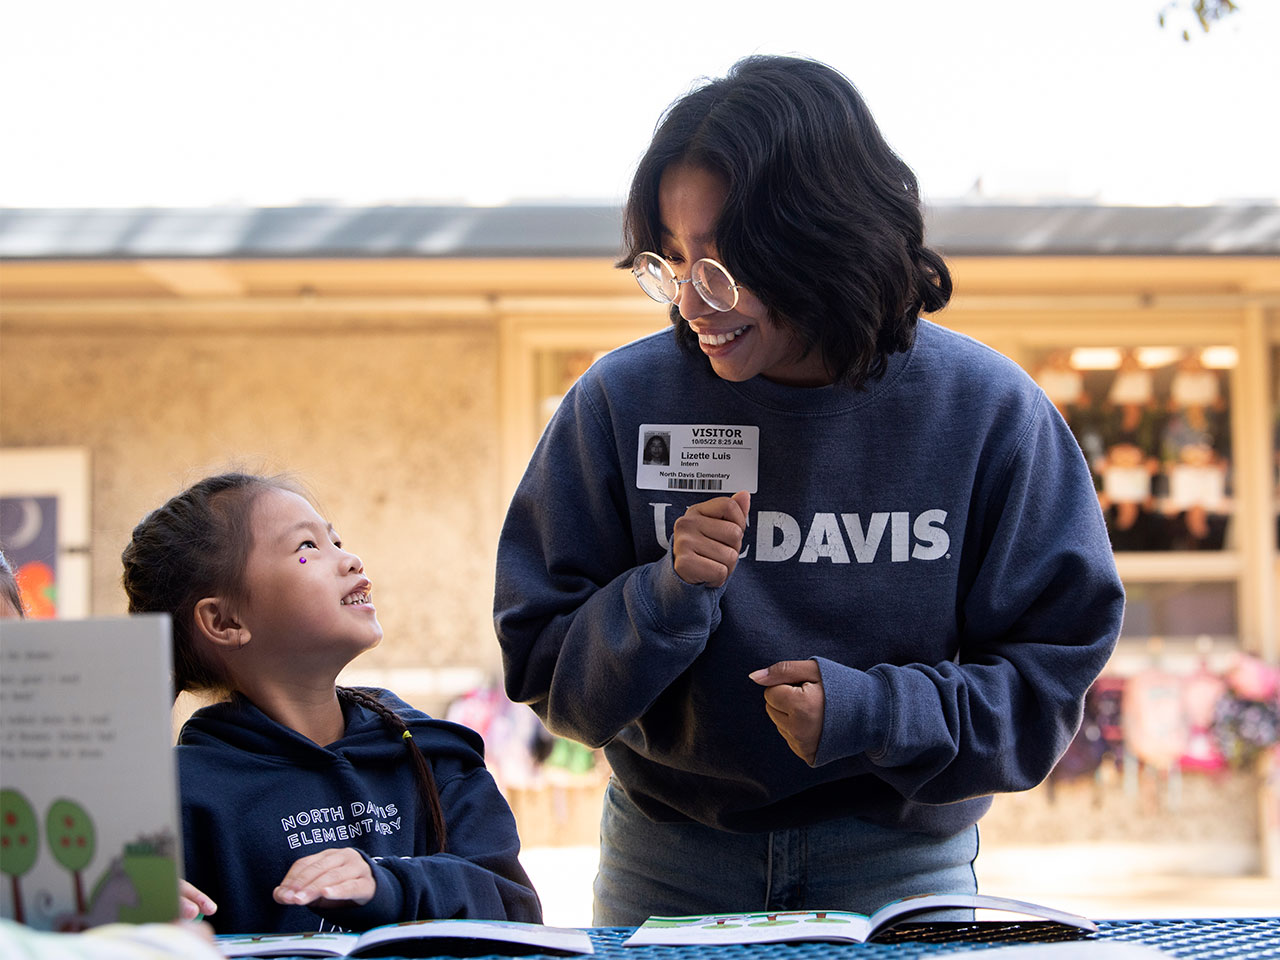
1244	938
1256	938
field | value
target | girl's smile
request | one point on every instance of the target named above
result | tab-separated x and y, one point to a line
358	597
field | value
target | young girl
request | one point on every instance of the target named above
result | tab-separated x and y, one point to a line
308	806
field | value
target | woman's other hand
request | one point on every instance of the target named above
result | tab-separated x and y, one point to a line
795	702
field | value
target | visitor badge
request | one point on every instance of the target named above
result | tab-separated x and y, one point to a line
710	457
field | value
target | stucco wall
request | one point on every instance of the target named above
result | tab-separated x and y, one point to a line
391	424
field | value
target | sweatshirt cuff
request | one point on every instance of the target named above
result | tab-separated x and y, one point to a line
855	705
679	608
386	906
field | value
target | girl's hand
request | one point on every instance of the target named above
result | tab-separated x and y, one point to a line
330	878
795	702
193	902
706	541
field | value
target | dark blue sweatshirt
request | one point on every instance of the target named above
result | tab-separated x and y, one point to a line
256	796
934	542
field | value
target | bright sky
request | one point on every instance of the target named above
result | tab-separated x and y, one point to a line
266	102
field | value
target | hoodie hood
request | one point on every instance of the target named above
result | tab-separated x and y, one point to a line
239	724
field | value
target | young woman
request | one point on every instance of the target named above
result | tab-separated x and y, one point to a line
873	584
308	806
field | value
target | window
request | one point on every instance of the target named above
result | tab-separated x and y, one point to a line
1154	424
1275	436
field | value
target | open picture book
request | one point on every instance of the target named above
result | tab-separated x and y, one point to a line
418	938
781	926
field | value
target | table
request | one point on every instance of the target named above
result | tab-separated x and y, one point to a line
1205	939
1243	938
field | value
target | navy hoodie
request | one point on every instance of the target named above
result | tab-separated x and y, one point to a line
256	796
933	542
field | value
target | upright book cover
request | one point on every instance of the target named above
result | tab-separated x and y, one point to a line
89	829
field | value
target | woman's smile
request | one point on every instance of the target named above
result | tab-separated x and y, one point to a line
713	339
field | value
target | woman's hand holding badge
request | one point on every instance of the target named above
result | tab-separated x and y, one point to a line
706	541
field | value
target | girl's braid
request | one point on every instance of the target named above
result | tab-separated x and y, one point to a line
421	769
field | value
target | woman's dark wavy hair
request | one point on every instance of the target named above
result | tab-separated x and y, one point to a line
197	545
822	221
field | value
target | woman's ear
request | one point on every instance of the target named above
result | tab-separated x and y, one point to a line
215	621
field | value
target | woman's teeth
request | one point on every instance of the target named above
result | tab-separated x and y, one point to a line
716	339
354	598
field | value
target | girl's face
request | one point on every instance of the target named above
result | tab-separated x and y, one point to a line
309	599
741	343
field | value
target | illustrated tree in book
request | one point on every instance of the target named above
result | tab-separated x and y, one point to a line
71	839
19	842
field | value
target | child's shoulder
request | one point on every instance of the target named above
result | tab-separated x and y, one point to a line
435	737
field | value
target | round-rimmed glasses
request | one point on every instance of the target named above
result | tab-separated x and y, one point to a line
710	279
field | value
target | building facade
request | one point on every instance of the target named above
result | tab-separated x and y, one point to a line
402	362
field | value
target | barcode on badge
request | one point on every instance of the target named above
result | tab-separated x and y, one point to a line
677	484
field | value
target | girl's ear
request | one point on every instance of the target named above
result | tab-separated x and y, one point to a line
215	621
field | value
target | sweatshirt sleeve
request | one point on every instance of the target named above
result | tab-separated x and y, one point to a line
590	637
478	877
1037	626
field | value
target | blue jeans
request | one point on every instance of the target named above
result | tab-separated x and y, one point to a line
680	869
